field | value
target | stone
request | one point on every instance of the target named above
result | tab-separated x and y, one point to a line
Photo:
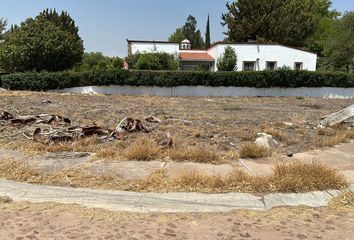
288	124
266	140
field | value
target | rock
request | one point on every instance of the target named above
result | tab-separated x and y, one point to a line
266	140
3	90
290	154
288	124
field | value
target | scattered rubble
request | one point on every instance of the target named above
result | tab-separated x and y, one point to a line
55	128
338	117
266	140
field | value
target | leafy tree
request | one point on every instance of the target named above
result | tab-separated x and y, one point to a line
165	61
39	45
96	60
192	34
228	61
189	31
3	24
339	48
285	21
63	20
207	34
148	61
177	36
49	42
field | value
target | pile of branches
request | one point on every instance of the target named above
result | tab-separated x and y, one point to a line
55	128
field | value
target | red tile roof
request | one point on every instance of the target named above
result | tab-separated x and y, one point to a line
196	57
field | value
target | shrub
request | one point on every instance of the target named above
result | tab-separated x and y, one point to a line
148	61
285	79
228	61
152	61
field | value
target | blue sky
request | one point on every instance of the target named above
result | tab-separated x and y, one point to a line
106	24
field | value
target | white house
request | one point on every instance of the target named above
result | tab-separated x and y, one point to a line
251	56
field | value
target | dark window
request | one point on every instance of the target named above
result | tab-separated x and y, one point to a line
298	66
271	65
249	66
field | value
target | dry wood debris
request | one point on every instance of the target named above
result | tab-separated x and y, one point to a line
54	128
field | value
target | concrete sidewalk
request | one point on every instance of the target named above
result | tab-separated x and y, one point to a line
160	202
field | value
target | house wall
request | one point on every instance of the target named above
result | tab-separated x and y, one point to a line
170	48
284	56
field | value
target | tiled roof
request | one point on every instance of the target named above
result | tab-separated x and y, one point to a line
196	57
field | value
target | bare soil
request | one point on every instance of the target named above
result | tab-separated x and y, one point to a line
218	124
54	221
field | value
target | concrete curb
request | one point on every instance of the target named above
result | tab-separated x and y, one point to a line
160	202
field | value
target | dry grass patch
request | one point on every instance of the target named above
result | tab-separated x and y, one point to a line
304	177
252	150
276	133
311	103
329	138
326	132
247	134
344	202
195	154
142	149
90	144
294	177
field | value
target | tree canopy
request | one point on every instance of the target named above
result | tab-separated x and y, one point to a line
207	33
50	42
339	46
189	31
96	60
285	21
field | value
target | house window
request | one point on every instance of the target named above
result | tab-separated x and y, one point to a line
298	66
249	66
271	66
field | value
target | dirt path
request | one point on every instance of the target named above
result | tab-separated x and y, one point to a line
53	221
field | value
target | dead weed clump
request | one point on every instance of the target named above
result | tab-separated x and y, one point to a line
344	202
143	149
294	177
305	177
195	154
252	150
328	138
276	133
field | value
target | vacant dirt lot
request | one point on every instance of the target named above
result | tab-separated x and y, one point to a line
220	125
53	221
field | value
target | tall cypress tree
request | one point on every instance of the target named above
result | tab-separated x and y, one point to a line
207	34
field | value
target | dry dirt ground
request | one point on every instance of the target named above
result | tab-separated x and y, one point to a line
218	124
54	221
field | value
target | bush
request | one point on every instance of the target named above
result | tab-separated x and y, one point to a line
228	61
286	79
152	61
148	61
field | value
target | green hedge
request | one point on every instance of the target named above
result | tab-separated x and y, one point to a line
263	79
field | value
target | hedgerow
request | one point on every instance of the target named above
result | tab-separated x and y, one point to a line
263	79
